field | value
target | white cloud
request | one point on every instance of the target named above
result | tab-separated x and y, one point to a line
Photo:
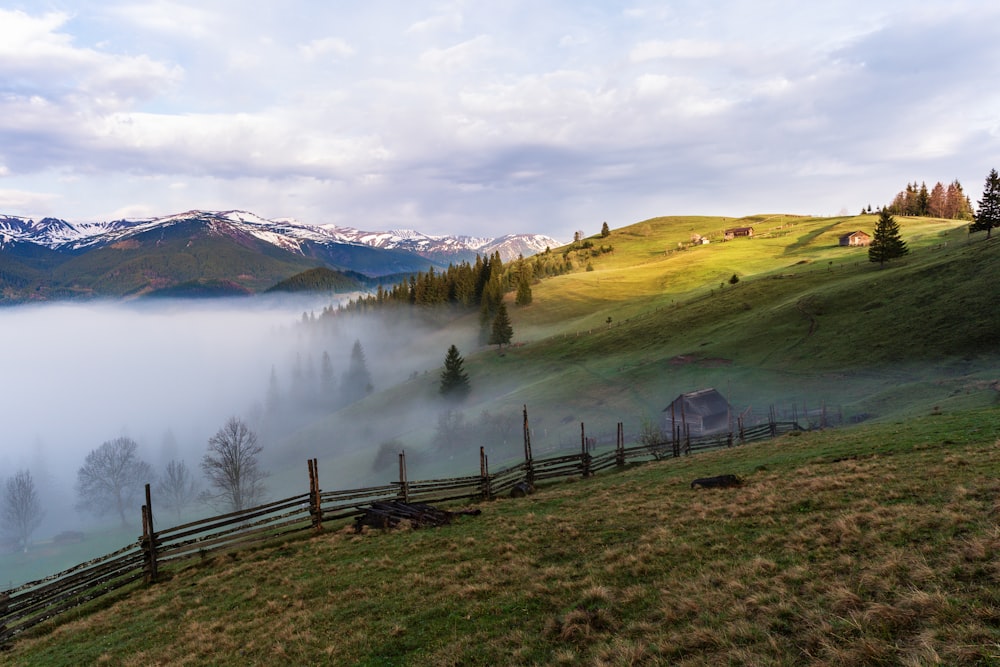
20	200
677	49
450	22
178	19
460	56
328	46
441	110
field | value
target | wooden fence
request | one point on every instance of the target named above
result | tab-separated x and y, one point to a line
32	603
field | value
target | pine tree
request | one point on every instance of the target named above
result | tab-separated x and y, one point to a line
356	382
454	380
273	392
326	376
502	330
886	242
988	214
523	297
605	231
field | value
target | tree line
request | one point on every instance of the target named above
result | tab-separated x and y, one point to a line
948	202
112	480
887	243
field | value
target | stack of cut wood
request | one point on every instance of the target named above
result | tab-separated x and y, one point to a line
389	514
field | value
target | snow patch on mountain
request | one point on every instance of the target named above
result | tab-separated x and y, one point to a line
285	233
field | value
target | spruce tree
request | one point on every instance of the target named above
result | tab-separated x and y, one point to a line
605	231
523	297
454	380
988	215
886	243
502	330
356	383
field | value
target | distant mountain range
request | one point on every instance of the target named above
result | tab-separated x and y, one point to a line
52	258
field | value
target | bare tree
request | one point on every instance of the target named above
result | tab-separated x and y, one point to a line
20	509
232	467
653	438
112	479
177	487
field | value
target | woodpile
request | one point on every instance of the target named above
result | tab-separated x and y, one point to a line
390	513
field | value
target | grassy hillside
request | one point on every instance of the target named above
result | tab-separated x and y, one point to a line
869	545
809	323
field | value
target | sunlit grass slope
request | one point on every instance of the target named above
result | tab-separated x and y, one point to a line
809	322
868	545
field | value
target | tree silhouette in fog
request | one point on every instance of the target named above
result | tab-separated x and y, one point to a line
177	488
112	479
357	381
454	379
232	467
20	509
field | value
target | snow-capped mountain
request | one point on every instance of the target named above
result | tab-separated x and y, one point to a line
448	248
287	234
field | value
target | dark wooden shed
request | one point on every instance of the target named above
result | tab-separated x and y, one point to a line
697	413
737	232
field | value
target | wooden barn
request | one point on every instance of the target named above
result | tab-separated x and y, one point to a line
701	412
855	239
737	232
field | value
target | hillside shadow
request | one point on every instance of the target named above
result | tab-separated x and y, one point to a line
809	238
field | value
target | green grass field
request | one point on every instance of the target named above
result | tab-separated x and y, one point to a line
870	544
809	322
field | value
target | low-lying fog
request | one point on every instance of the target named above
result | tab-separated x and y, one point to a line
168	375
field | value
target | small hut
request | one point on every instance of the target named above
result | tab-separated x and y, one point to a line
737	232
697	413
855	239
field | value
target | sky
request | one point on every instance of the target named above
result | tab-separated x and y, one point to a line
490	118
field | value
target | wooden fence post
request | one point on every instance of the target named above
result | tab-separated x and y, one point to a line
404	490
620	446
584	454
149	539
528	464
4	608
315	501
484	474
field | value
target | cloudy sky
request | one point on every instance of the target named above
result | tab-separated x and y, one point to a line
491	117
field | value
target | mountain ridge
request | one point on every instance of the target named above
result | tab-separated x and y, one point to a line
51	258
286	233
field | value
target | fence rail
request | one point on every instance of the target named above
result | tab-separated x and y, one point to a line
32	603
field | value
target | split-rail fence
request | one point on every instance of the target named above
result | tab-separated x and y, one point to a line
32	603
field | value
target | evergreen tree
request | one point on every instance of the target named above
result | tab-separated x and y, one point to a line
605	231
454	380
988	215
502	330
923	199
273	392
523	297
326	377
357	381
886	242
